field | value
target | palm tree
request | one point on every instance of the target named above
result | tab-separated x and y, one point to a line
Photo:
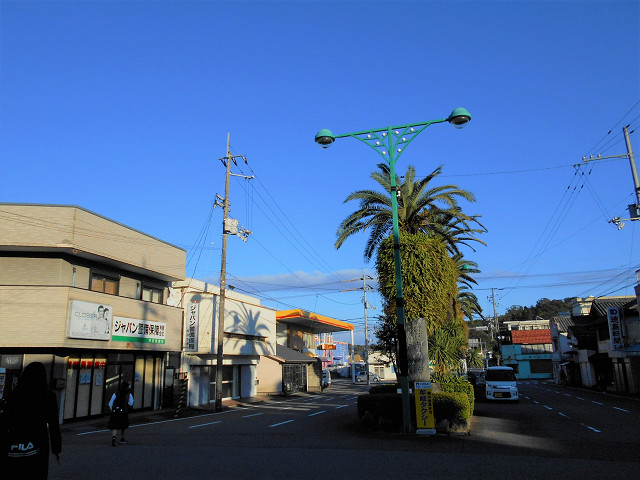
469	304
421	208
455	227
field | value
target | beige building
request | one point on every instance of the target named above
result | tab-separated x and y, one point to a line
86	296
297	364
249	336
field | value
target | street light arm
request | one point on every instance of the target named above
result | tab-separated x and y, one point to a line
390	139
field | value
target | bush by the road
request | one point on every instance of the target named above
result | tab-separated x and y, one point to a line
453	384
451	410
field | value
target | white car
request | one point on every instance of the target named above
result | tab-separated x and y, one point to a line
326	378
500	384
361	377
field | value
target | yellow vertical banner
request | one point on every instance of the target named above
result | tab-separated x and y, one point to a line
425	418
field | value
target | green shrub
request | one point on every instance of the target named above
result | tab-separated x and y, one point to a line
453	407
385	388
380	409
453	384
385	409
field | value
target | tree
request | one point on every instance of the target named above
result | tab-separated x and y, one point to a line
429	278
387	344
447	347
421	208
543	309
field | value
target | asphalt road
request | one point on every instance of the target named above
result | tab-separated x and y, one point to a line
552	431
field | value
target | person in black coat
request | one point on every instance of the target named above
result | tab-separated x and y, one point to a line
119	404
28	422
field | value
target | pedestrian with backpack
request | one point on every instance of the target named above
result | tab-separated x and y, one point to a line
29	426
119	405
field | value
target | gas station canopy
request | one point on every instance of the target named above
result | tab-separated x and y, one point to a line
312	322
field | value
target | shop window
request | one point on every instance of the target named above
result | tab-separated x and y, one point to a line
104	284
151	294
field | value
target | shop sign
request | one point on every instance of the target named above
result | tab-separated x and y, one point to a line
91	321
138	331
11	362
615	328
425	417
191	334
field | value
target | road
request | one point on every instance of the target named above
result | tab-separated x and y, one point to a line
552	431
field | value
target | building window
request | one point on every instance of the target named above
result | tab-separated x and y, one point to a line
104	284
151	294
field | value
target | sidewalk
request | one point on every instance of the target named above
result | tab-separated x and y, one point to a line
149	416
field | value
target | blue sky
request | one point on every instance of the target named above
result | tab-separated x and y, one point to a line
124	107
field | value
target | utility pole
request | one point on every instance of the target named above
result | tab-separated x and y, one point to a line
634	209
229	227
364	288
494	323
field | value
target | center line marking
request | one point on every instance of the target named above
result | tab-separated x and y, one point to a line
548	408
281	423
621	409
566	416
590	428
317	413
597	403
205	424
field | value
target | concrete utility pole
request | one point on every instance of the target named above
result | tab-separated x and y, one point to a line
634	209
364	288
229	227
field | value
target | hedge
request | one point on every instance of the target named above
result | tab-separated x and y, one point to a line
385	409
452	384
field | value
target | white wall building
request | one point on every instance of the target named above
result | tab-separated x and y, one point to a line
249	333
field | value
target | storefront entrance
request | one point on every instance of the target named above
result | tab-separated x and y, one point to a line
93	379
294	377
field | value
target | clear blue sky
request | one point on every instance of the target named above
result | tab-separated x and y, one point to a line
124	107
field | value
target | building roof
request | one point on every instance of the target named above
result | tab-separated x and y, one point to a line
287	355
600	305
563	323
531	337
312	322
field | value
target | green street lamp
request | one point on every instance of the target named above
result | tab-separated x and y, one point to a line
390	143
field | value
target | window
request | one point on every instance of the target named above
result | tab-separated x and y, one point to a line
104	284
151	294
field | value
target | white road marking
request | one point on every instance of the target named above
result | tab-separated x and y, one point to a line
205	424
597	403
158	422
281	423
565	416
317	413
341	406
253	415
621	409
547	407
580	398
536	402
590	428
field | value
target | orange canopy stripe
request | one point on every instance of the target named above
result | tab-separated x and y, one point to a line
299	313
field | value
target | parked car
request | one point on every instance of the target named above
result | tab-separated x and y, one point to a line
501	384
476	377
362	377
326	378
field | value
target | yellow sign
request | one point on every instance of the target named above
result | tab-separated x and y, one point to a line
425	418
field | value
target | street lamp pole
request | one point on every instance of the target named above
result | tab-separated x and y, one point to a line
390	143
